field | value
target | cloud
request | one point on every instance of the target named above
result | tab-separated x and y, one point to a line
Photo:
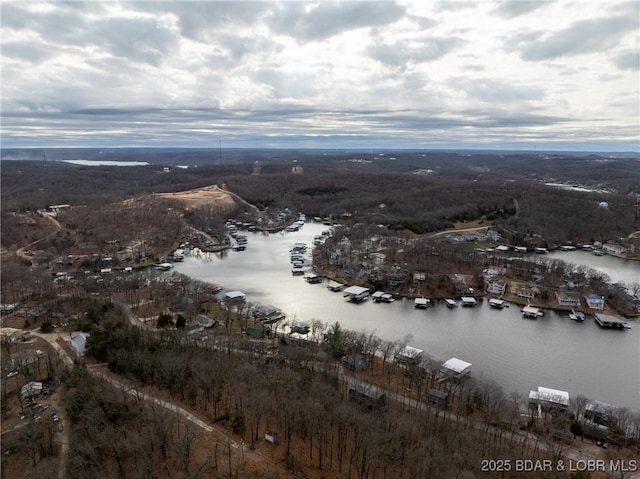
400	53
32	52
308	22
628	60
499	91
511	8
584	36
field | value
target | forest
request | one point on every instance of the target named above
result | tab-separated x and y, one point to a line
126	405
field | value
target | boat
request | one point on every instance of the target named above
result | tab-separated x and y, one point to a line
468	301
577	315
313	278
532	312
497	303
421	303
450	303
382	297
336	288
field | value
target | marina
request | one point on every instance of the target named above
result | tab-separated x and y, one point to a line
518	355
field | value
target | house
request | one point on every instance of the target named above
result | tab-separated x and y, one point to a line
206	321
368	397
455	368
599	412
300	327
235	297
410	355
438	397
463	290
257	331
594	301
79	344
31	389
568	299
526	293
497	287
548	400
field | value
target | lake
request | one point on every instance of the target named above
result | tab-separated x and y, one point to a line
519	354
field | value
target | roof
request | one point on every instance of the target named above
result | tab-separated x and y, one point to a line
550	395
411	352
355	290
31	389
79	343
594	296
421	301
235	295
456	365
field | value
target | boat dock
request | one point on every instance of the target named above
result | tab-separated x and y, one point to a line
610	322
532	312
450	303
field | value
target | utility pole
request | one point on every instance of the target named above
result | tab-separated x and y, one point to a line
220	152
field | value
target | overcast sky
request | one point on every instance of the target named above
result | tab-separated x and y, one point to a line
425	74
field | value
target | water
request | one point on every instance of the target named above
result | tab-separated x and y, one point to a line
519	354
622	271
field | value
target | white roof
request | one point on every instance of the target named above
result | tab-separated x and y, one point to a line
550	395
377	294
468	299
456	365
530	310
421	301
355	290
411	352
235	295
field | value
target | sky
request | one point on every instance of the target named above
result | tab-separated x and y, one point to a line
531	75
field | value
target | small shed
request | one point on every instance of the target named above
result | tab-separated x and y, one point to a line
368	397
438	397
354	362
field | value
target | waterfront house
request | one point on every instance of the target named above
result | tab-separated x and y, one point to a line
549	400
594	301
497	287
568	299
256	331
300	327
598	412
234	297
410	355
455	368
529	293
